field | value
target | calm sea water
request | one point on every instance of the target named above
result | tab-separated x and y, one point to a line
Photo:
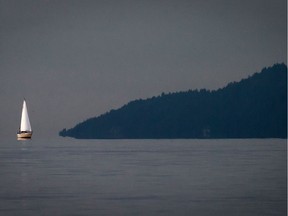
143	177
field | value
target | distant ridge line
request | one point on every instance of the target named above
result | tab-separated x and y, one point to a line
255	107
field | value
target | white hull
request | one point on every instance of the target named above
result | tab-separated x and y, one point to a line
25	135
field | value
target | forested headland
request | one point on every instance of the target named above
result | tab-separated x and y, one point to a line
255	107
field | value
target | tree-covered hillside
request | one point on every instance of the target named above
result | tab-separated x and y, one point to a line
255	107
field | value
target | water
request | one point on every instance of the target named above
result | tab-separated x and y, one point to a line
143	177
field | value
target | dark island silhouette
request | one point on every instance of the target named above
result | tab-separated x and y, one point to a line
255	107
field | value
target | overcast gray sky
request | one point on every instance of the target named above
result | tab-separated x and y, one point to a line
73	60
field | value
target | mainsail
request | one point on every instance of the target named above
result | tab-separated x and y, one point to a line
25	123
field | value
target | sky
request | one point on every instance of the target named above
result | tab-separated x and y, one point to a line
74	59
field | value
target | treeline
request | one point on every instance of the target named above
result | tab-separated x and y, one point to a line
255	107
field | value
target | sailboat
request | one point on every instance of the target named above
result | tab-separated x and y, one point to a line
25	130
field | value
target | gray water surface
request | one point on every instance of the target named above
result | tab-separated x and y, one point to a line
143	177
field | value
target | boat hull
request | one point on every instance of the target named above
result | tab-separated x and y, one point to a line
24	135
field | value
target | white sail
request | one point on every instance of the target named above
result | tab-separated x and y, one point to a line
25	123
